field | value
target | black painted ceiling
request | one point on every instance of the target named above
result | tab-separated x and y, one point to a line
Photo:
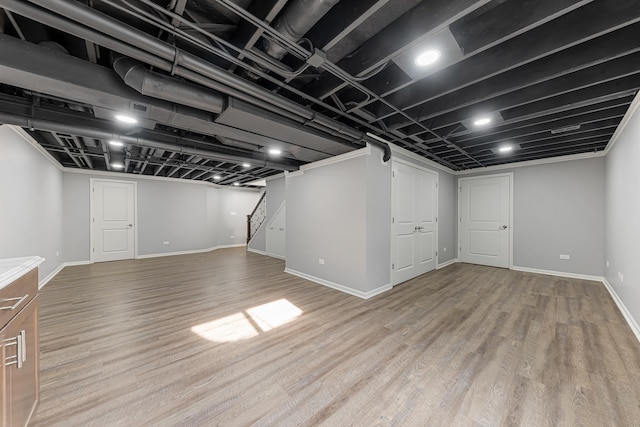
555	77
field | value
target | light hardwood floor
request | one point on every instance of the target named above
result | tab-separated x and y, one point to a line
466	345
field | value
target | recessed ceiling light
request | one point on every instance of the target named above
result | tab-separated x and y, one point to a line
482	121
428	57
246	165
117	165
116	143
275	152
505	149
217	177
126	119
236	183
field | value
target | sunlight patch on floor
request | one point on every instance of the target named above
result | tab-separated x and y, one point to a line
274	314
242	326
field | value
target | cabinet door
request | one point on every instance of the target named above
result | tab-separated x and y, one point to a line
21	365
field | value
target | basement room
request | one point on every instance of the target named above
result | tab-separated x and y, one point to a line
319	212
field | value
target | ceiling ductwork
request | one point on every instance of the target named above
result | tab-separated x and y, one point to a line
295	21
106	31
148	83
75	129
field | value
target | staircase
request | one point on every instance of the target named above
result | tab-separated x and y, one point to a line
257	217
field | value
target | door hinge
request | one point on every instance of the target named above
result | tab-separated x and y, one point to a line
393	266
460	189
393	220
436	253
436	185
460	248
393	174
460	219
93	250
436	219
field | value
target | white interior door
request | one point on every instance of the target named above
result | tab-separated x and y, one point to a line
275	235
414	222
113	210
484	206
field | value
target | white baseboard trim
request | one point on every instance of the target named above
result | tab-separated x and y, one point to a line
51	276
446	263
259	252
191	252
58	270
559	274
623	309
342	288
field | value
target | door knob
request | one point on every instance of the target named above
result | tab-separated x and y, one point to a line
130	225
504	227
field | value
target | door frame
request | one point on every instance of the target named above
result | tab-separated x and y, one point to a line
135	214
499	175
392	276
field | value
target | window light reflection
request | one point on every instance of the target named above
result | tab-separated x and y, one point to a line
274	314
242	326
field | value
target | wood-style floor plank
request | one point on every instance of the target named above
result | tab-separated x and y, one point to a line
200	340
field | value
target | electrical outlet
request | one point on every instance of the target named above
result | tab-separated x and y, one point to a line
621	277
564	256
444	249
321	261
607	263
166	242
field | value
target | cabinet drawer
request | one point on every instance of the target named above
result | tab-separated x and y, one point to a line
15	296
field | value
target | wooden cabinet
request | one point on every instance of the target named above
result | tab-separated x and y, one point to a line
19	350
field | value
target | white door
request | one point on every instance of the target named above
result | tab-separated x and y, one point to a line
484	206
414	222
275	236
113	210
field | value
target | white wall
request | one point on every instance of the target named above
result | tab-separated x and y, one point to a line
623	216
378	221
233	207
326	218
30	202
558	208
276	196
190	216
447	214
45	211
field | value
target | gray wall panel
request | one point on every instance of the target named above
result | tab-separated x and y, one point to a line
378	221
31	198
623	216
326	218
559	209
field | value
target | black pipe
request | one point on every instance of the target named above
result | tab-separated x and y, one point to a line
181	63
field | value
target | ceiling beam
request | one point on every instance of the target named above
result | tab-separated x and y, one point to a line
607	48
581	80
424	20
603	17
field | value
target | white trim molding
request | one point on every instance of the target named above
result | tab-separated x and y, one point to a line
338	287
259	252
623	309
61	267
559	273
447	263
623	123
190	252
331	160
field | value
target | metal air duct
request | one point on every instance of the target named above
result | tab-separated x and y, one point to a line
129	41
136	76
85	131
298	17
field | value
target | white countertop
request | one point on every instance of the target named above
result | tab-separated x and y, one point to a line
13	268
